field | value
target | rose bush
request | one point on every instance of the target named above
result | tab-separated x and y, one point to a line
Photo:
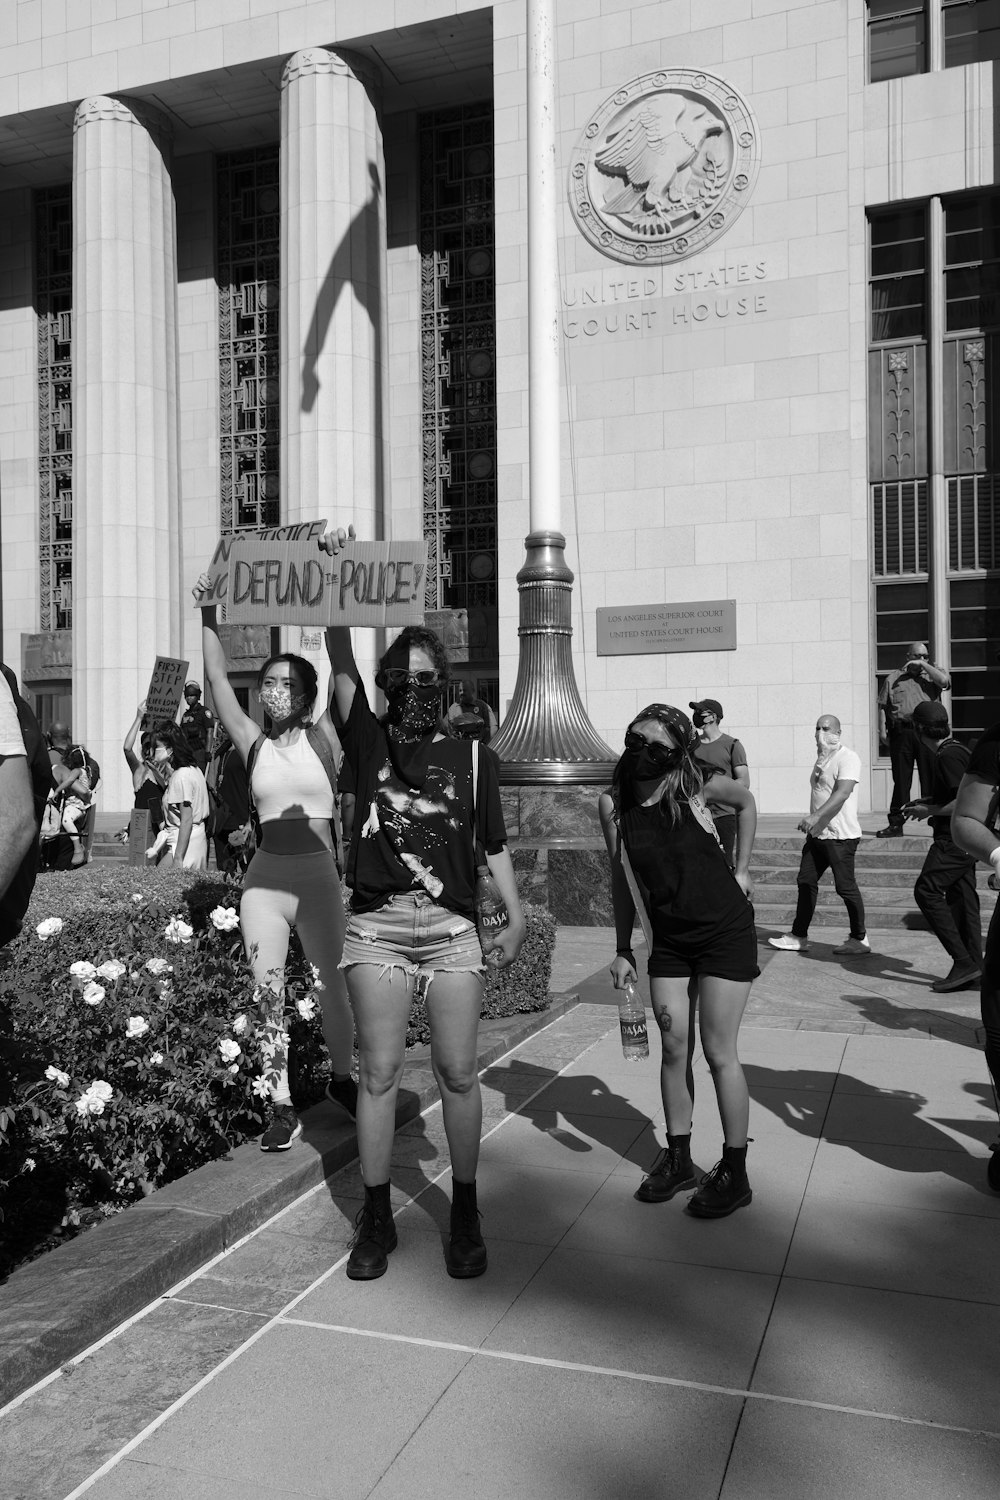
133	1049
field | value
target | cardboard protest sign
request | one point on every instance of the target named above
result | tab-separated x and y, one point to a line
166	686
277	582
218	568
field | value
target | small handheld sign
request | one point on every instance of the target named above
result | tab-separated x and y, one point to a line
166	686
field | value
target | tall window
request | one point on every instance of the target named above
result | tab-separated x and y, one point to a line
897	38
904	471
248	239
54	306
971	31
458	354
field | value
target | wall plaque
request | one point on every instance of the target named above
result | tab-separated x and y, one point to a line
641	629
664	167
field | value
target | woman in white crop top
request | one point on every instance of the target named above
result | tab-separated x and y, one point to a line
292	880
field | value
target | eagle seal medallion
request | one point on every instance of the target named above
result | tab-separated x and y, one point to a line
664	167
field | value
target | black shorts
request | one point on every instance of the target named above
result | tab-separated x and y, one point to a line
729	955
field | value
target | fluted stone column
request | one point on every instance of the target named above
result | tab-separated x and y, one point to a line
333	302
125	468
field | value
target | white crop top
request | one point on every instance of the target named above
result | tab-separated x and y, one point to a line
290	781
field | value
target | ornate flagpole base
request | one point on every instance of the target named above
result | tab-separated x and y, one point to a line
546	738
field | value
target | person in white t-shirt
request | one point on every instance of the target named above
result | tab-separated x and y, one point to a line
832	835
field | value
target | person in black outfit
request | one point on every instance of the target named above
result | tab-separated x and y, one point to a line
946	886
667	864
231	834
196	724
974	829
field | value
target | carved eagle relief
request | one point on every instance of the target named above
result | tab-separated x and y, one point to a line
657	148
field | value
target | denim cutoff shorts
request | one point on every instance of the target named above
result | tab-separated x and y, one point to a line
413	933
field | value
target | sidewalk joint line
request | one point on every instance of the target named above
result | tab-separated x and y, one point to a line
642	1377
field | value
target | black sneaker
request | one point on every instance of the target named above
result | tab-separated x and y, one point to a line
722	1191
373	1243
894	831
670	1173
959	977
285	1127
345	1093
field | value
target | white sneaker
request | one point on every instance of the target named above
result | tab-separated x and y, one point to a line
791	942
854	946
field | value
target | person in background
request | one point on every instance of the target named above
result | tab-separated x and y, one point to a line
668	865
946	886
232	833
468	703
147	784
719	754
185	800
292	882
974	829
832	835
917	681
25	779
197	724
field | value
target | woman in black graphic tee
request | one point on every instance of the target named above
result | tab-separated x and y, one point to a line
412	869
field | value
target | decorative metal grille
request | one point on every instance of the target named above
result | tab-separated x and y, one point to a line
247	269
973	522
54	306
458	369
899	528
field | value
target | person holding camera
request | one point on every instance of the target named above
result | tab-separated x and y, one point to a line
917	681
946	886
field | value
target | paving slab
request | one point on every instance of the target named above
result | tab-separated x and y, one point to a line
786	1452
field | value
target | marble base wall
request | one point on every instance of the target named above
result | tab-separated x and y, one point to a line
559	853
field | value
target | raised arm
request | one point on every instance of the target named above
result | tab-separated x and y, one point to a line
344	669
134	761
241	728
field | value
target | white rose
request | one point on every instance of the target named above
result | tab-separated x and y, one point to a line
235	1068
82	970
56	1075
101	1090
261	1087
51	927
137	1026
157	966
239	1025
93	994
224	918
111	970
155	1058
306	1008
178	931
229	1049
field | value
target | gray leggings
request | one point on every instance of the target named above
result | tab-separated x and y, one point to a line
282	891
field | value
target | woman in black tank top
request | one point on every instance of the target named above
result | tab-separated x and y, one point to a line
668	866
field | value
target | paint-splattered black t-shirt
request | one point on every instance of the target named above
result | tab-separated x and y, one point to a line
406	840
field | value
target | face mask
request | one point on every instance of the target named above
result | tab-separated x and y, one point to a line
161	753
699	720
414	710
827	739
280	702
649	759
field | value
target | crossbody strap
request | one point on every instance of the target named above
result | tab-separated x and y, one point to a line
636	894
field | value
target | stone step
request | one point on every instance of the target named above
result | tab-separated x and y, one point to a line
881	896
866	858
779	919
868	880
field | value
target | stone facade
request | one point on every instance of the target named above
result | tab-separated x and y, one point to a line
714	394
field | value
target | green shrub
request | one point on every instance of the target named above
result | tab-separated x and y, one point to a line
69	1157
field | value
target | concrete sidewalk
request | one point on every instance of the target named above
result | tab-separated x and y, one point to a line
837	1339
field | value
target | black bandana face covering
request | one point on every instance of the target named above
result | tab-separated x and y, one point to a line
414	711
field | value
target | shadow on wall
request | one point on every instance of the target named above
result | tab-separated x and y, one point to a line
356	265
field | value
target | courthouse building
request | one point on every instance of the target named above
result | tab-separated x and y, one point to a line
264	261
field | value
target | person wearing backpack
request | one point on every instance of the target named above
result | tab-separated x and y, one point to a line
293	880
25	781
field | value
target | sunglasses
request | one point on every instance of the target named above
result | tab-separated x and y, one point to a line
398	677
660	755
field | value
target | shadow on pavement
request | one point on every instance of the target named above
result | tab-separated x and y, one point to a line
901	1125
584	1101
882	1012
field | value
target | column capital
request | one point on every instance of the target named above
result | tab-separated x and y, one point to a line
101	108
313	60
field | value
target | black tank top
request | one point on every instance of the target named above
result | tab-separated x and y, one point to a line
690	892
